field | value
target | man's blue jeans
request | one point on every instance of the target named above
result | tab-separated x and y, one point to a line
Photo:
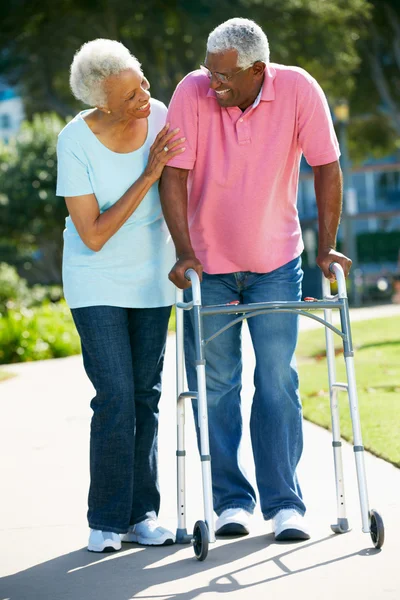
123	353
276	414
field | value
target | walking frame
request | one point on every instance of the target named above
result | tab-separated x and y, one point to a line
203	532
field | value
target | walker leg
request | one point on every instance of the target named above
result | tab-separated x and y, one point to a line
203	425
342	524
182	536
358	445
355	417
372	522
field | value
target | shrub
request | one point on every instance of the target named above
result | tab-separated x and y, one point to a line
32	325
31	215
44	332
13	289
15	293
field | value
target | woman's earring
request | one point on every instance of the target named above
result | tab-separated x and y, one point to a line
109	112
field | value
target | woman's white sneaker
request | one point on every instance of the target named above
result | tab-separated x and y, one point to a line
149	533
103	541
288	525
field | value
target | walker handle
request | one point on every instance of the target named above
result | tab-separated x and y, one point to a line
337	270
191	275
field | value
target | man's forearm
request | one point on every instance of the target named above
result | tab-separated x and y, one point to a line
174	197
328	192
173	194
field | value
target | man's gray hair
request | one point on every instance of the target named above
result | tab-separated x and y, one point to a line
93	63
242	35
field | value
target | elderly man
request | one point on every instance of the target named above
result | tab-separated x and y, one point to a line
230	205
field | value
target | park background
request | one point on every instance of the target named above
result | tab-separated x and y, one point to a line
352	47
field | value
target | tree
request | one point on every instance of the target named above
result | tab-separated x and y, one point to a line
375	101
31	215
168	36
38	41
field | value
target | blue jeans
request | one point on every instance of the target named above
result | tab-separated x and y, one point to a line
123	354
276	414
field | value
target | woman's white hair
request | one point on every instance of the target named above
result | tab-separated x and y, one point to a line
242	35
93	63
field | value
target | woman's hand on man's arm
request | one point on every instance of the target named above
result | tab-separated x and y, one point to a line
162	150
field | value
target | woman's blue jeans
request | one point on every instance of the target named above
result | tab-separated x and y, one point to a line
276	414
123	354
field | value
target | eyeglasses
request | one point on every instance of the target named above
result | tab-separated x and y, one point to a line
221	77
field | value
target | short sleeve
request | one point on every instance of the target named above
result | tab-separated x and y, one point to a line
316	134
158	117
182	113
72	169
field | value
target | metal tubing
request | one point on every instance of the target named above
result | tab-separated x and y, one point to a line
180	464
345	324
341	387
180	362
335	419
337	456
338	302
205	451
296	305
180	418
248	315
202	406
353	400
195	281
340	278
358	445
184	305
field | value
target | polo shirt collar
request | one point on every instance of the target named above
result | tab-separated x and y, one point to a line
267	92
268	87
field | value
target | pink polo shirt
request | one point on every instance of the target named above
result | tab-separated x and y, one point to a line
244	167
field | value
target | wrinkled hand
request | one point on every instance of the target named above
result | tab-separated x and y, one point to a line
327	257
162	150
185	262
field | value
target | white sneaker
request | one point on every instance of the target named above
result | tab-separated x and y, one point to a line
233	521
103	541
288	524
149	533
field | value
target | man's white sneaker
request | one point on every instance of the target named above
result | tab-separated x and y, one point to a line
232	521
288	524
103	541
149	533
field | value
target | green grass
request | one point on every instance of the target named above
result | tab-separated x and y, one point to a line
172	321
377	364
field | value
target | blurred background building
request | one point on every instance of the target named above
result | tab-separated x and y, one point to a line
11	112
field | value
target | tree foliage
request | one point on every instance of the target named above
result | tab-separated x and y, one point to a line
375	100
31	216
352	47
169	36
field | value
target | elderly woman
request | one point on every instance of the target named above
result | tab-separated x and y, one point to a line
117	255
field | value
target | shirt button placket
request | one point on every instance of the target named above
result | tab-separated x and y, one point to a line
243	132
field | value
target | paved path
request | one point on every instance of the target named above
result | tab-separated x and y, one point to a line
44	418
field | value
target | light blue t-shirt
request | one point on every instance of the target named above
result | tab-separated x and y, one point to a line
131	270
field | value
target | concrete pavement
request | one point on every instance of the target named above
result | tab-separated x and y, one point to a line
44	433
